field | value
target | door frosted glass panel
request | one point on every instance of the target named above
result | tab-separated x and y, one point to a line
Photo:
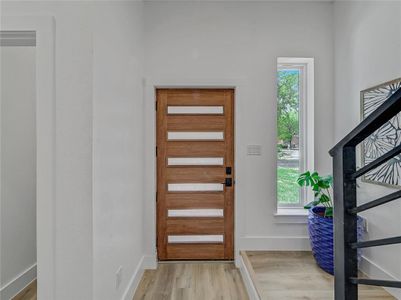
195	135
195	187
173	239
195	213
195	161
195	110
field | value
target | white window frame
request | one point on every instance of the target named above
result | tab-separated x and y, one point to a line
306	65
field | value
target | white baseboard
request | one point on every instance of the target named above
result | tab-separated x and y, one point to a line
150	262
17	284
250	287
146	262
274	243
376	272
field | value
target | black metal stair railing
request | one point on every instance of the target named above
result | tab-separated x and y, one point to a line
345	202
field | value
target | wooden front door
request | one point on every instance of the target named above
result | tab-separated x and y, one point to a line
195	174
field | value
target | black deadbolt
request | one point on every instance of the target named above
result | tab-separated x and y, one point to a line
228	170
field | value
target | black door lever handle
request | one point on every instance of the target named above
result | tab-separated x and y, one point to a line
228	182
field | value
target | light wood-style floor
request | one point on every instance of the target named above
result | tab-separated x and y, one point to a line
295	276
28	293
277	276
192	281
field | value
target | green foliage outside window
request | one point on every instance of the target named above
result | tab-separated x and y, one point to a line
287	127
288	105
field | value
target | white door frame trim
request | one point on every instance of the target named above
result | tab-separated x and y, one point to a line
150	86
44	26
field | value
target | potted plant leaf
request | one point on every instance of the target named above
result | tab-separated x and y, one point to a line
320	219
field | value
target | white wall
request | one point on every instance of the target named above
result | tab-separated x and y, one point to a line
18	168
368	52
118	146
73	196
238	43
98	154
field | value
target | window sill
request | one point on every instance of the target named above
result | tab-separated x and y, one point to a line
291	212
291	216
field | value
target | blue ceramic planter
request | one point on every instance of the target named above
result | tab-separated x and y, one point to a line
321	238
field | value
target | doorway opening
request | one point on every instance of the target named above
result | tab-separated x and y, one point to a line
18	163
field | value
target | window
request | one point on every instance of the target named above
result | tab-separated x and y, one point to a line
294	128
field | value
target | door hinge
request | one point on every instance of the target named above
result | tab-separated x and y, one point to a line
156	105
156	196
156	150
